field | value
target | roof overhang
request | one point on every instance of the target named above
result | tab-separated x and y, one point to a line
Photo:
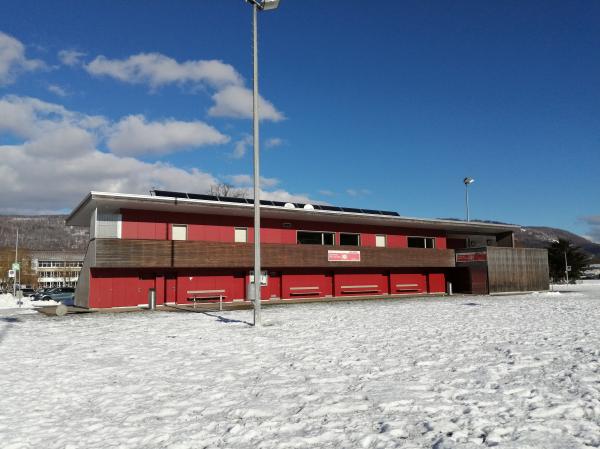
114	202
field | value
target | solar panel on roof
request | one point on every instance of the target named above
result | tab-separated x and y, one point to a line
200	196
370	211
233	200
170	194
224	199
331	208
352	209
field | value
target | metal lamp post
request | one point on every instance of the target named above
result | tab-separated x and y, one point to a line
257	5
467	181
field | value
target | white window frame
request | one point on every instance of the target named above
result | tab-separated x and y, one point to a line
384	236
349	233
421	237
235	239
173	226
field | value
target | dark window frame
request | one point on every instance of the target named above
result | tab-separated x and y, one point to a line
350	234
322	233
424	239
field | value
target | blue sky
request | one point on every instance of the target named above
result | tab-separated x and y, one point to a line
375	104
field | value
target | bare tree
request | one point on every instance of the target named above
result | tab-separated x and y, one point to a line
227	190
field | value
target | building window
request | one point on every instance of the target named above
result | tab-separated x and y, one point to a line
241	235
349	239
421	242
380	241
179	232
315	238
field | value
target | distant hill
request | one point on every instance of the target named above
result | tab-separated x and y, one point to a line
49	232
42	232
542	237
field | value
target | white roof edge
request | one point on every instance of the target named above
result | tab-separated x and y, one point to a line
401	218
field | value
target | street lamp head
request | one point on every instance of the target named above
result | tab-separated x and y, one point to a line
468	181
267	5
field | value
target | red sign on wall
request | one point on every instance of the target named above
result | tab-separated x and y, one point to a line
343	256
479	256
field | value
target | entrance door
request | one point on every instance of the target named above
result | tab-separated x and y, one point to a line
273	289
170	289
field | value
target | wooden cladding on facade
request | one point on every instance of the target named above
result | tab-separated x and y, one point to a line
517	269
198	254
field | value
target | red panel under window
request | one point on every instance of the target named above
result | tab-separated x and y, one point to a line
300	284
408	283
353	284
437	283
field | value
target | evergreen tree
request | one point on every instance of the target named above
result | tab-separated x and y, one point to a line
576	259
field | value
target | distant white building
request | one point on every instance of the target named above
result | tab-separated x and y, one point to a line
593	271
56	268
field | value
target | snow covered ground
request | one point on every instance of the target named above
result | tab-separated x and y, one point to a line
466	371
8	301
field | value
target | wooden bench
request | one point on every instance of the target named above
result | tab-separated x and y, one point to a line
407	287
304	291
206	295
360	289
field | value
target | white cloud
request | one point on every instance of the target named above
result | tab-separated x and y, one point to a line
358	192
133	135
231	97
157	70
273	142
70	58
241	147
282	195
326	192
236	102
57	90
248	180
13	59
58	161
29	118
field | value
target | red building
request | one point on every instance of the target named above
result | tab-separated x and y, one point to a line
185	244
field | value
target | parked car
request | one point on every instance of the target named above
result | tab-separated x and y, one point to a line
37	296
28	292
65	295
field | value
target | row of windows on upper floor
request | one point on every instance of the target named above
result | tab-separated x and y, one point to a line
179	232
58	263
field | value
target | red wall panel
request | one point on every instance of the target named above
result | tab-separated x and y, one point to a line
402	283
352	283
119	287
156	225
322	281
397	241
232	283
437	283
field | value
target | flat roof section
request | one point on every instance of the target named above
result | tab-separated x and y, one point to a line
107	202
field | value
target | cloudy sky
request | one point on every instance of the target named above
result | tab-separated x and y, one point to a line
385	106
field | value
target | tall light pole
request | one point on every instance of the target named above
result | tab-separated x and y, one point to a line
467	181
257	5
16	260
